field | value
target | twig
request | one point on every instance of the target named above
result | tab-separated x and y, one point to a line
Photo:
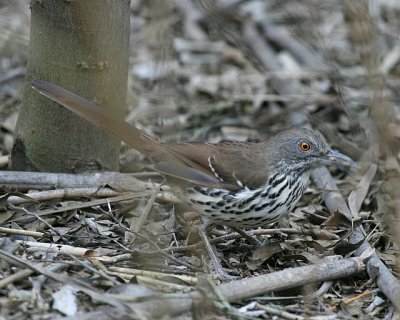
100	271
62	194
138	272
21	232
67	250
162	285
22	274
81	205
34	214
280	313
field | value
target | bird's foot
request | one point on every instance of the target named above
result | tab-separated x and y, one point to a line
216	264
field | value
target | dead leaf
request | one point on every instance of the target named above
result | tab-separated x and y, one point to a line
359	193
337	219
64	301
261	254
344	247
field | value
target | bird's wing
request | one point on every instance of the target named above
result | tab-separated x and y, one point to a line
234	164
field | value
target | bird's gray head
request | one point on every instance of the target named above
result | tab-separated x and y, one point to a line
300	150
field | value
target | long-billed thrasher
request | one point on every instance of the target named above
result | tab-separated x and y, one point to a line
238	184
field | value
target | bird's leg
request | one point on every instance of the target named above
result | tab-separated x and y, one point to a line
245	235
222	275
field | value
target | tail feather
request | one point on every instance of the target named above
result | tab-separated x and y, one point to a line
100	118
180	166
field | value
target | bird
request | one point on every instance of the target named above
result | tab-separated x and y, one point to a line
236	184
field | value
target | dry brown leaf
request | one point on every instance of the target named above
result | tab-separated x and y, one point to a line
261	254
359	193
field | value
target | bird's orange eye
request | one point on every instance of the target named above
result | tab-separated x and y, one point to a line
304	146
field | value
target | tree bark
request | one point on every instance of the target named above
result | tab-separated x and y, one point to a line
83	47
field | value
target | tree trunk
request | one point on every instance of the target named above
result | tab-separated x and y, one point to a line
83	47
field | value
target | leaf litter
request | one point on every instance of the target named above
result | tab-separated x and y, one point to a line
213	85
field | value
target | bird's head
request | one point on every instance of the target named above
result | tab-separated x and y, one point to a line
300	150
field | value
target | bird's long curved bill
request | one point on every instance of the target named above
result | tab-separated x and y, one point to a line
338	159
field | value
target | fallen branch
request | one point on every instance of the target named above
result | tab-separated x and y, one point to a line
42	180
329	269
